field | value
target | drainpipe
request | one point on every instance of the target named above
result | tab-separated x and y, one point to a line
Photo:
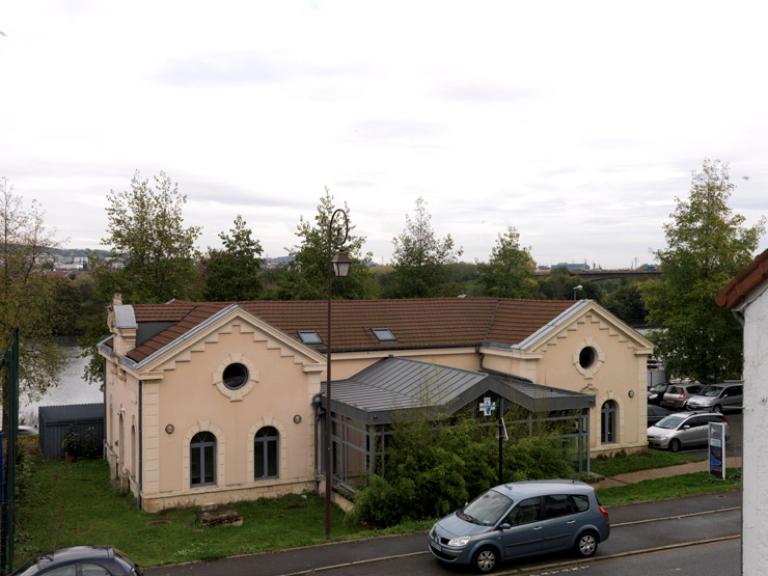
141	444
317	402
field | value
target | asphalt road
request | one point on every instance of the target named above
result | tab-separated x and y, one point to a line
639	532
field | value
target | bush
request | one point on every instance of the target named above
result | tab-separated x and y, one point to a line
431	469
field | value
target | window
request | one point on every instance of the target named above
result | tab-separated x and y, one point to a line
587	357
235	376
580	502
265	453
608	422
202	459
526	512
68	570
383	334
557	505
309	337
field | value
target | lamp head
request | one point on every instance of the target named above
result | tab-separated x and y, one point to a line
341	263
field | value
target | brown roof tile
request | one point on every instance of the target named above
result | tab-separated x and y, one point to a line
416	323
744	282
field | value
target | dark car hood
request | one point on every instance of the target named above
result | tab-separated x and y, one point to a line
452	526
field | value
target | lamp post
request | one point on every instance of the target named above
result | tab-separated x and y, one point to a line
338	266
575	288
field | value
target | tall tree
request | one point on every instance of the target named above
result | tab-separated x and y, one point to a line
233	272
509	271
146	227
420	258
706	245
26	291
306	276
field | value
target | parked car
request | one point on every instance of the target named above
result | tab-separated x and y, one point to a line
81	561
656	413
677	395
718	398
656	393
521	519
24	430
682	429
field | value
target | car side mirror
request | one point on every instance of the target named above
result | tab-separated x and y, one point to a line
686	426
505	526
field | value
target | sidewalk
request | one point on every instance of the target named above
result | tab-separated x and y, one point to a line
655	473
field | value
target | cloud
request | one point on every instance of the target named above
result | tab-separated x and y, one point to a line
477	92
406	131
202	191
246	68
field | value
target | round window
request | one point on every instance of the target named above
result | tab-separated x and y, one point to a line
235	376
587	357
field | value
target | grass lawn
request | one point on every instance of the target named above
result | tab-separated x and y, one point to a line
668	488
71	504
623	463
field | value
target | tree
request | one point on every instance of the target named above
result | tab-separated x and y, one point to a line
706	245
234	272
27	292
145	225
306	276
509	272
420	258
626	302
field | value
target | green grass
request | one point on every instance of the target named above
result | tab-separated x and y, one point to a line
668	488
623	463
71	504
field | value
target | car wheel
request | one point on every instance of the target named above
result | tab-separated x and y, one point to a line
674	445
586	545
485	560
717	409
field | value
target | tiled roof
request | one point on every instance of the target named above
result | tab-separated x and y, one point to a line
744	282
416	323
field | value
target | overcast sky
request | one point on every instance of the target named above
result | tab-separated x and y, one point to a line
576	122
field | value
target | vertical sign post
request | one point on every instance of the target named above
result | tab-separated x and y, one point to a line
10	361
717	450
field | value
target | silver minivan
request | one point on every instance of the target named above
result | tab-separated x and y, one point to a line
683	429
717	397
521	519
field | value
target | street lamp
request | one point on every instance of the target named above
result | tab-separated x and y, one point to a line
339	266
580	288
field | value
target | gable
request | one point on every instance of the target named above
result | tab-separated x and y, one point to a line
586	313
228	320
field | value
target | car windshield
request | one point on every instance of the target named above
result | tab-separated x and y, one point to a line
487	509
659	388
710	391
670	422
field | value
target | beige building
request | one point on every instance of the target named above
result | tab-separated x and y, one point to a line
215	402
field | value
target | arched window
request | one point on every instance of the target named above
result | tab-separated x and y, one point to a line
265	453
202	459
608	417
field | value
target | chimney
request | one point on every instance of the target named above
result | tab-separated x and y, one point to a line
122	325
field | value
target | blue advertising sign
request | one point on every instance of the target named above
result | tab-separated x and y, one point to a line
717	449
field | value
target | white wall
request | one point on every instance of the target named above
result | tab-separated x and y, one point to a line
755	479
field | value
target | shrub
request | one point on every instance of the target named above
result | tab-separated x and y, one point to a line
433	468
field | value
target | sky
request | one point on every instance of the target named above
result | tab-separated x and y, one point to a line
578	123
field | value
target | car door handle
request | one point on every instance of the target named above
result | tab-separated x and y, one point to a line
538	528
571	522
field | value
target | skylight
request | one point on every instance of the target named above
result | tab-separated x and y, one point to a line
383	334
310	337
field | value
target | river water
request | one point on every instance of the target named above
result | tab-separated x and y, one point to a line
71	388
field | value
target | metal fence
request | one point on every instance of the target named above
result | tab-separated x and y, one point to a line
83	422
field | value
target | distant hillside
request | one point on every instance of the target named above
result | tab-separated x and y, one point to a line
73	252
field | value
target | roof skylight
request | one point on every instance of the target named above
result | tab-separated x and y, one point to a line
383	334
309	337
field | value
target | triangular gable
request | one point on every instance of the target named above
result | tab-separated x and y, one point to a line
572	316
207	332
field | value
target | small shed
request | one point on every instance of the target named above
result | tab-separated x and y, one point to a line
85	421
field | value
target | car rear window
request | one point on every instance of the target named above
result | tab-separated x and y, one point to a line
675	390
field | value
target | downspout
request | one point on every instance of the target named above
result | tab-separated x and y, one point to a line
141	444
317	404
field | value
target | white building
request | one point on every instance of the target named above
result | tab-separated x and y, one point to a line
747	296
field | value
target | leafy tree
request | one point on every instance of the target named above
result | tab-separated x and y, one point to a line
234	272
26	291
145	225
509	272
560	285
706	245
306	276
626	302
420	259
